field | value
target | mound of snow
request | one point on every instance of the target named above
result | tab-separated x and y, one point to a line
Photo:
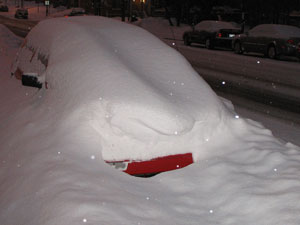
52	140
143	98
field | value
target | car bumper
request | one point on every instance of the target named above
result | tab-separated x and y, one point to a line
223	42
289	50
154	166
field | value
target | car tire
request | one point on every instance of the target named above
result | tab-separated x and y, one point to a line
208	44
186	40
238	48
272	54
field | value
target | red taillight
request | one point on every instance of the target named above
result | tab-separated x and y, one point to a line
290	41
219	34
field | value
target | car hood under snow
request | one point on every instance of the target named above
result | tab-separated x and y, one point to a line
141	96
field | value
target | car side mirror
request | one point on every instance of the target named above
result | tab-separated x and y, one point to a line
31	80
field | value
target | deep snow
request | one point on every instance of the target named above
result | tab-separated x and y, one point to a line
52	170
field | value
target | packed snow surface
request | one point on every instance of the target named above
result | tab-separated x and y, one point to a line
116	90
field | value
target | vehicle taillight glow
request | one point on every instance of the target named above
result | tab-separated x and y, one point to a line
290	41
219	35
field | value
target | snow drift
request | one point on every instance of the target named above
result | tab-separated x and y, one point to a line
52	140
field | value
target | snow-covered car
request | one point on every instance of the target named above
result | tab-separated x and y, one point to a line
3	8
77	12
298	50
212	34
152	111
21	13
272	40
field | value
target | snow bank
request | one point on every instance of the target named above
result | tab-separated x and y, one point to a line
52	171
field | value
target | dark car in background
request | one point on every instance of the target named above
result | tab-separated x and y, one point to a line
298	50
212	34
21	14
77	12
272	40
3	8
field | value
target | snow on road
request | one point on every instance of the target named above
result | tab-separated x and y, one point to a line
52	170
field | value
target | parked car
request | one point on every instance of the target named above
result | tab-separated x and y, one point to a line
143	97
298	50
21	14
3	8
212	34
77	12
272	40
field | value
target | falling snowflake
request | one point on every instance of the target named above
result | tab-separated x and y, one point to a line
223	82
211	211
258	62
237	116
93	157
84	220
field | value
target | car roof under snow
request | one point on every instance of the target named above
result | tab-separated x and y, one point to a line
278	30
146	99
213	25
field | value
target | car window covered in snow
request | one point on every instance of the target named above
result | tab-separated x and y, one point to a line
275	30
212	26
289	31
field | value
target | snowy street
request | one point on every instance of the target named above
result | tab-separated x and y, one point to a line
273	82
124	94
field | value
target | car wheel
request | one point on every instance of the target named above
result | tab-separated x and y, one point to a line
272	52
187	41
238	48
208	44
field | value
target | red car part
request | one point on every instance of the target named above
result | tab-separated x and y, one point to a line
154	166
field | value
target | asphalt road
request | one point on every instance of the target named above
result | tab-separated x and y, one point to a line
272	82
